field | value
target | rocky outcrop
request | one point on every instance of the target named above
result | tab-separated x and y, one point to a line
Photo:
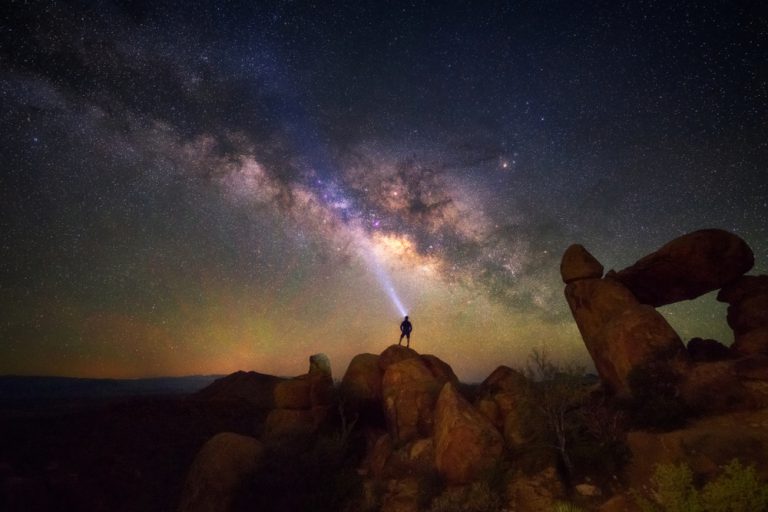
409	393
687	267
466	443
219	470
747	300
578	263
620	333
394	354
360	389
320	363
499	398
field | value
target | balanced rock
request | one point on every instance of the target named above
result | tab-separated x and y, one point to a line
620	333
409	392
220	468
578	263
466	443
687	267
749	313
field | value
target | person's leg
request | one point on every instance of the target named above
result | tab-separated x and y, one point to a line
400	342
408	338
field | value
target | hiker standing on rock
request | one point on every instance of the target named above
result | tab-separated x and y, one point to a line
405	330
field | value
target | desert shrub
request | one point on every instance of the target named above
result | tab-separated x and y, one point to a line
562	506
655	402
736	489
476	497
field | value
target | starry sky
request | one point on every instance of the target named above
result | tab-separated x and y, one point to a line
203	187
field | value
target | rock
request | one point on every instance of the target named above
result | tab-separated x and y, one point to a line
442	371
704	445
409	393
293	393
287	424
319	363
534	493
220	468
588	490
752	342
687	267
749	313
619	503
578	263
499	398
503	378
466	443
379	455
619	333
707	350
715	387
250	387
362	381
401	496
395	354
743	287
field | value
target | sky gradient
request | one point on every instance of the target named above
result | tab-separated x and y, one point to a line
203	189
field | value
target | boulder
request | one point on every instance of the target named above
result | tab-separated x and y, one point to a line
620	333
320	363
293	393
501	379
534	493
441	370
752	342
219	469
409	393
395	354
707	350
578	263
466	443
402	495
362	381
284	424
499	398
743	287
705	445
716	387
749	313
687	267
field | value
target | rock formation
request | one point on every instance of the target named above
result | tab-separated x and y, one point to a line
409	392
220	468
254	388
687	267
619	332
624	333
747	300
466	442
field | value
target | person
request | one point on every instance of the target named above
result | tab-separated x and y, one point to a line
405	331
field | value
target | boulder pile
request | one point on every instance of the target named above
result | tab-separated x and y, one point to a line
624	333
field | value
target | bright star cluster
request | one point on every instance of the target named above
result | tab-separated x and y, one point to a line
205	187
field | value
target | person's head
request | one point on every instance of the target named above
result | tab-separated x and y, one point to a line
406	317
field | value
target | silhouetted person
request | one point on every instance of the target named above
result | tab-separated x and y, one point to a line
405	330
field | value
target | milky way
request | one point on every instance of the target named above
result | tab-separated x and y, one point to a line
201	189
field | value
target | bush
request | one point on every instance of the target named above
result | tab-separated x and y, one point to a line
477	497
736	489
566	507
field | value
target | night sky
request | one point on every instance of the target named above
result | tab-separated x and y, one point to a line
193	188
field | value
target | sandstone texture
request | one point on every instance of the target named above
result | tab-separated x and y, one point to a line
687	267
578	263
466	443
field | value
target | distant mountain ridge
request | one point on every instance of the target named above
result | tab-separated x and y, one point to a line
19	390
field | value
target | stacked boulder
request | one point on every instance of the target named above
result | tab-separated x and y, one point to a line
427	426
623	332
302	403
619	331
